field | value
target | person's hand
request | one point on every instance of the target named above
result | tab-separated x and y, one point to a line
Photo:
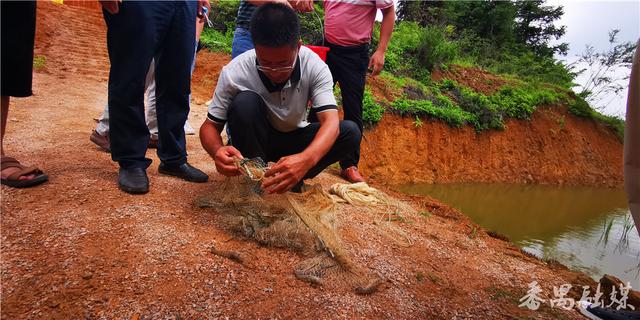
302	5
376	63
112	6
288	171
224	160
201	4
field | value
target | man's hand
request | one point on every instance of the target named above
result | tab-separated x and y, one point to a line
288	171
224	159
112	6
376	63
302	5
201	4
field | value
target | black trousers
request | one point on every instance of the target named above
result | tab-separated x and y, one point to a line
348	67
142	30
253	135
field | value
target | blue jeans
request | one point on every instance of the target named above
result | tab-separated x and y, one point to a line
241	42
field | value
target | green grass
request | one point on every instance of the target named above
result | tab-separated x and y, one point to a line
371	110
39	62
215	40
581	108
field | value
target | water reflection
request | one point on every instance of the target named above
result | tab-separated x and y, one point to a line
588	229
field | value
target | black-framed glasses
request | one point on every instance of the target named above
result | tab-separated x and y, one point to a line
278	70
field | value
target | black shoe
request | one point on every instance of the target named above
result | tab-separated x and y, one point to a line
133	180
184	171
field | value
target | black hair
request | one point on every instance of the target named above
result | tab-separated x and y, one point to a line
275	25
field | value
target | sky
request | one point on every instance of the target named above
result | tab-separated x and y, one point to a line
589	22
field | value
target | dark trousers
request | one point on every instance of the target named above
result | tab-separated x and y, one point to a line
18	33
348	67
253	135
142	30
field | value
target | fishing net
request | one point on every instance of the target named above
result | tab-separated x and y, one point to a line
303	222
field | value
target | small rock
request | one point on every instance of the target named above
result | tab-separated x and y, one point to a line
87	276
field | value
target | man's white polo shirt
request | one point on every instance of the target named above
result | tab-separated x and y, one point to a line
287	106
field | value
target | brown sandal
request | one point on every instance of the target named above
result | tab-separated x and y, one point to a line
14	181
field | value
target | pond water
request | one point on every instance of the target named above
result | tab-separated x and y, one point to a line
587	229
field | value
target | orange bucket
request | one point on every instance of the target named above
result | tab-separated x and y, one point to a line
320	51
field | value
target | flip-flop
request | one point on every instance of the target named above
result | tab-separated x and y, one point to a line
14	181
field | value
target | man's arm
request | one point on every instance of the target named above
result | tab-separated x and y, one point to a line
376	63
289	170
224	156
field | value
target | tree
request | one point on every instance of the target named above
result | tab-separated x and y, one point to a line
425	13
534	27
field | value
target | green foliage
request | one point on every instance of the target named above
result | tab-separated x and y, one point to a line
501	23
534	27
311	26
527	66
581	108
371	110
454	116
485	114
223	15
217	41
520	102
39	62
435	49
417	122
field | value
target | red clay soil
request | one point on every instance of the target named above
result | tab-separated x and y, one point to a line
77	247
555	147
478	79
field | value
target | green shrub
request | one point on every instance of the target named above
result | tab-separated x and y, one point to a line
454	116
215	40
371	110
581	108
223	15
435	49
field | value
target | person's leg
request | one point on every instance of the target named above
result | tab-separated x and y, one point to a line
349	70
3	118
173	80
249	126
131	42
100	136
102	128
241	42
284	144
18	24
152	119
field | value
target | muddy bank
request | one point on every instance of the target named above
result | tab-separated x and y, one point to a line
555	147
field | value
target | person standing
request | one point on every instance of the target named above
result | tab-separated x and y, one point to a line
242	36
18	35
348	29
137	32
